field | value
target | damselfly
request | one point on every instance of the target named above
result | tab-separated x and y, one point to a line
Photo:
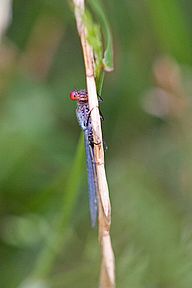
84	119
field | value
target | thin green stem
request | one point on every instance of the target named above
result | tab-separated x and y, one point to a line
56	239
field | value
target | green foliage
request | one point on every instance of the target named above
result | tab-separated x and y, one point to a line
95	40
108	53
103	52
45	233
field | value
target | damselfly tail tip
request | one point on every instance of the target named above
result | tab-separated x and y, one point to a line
93	223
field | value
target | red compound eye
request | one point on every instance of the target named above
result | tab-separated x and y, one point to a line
74	95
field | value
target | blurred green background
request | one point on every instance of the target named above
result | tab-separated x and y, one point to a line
45	234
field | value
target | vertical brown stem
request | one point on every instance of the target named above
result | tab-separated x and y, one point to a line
107	278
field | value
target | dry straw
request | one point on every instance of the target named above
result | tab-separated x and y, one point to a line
107	277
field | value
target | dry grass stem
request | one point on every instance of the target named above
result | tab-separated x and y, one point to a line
5	16
107	278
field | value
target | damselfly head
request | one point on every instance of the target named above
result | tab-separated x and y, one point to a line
79	95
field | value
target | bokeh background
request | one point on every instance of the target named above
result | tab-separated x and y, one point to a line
45	234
